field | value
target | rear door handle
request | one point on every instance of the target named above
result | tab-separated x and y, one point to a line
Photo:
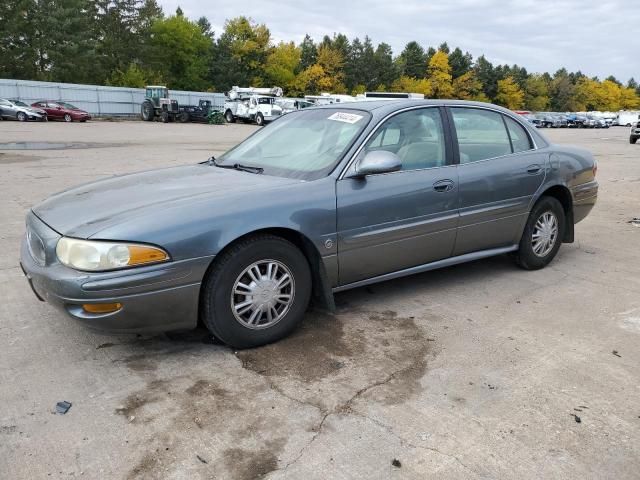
443	186
533	169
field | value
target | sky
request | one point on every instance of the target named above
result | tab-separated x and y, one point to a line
599	38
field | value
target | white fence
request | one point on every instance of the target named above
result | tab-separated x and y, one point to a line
97	100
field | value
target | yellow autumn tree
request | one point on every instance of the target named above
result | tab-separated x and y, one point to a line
509	94
587	95
281	64
412	85
629	99
325	75
439	74
468	87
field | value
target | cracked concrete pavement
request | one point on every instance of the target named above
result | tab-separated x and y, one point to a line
475	371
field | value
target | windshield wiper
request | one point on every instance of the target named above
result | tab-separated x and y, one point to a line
237	166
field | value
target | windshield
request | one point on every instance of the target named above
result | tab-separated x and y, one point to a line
306	144
19	103
265	100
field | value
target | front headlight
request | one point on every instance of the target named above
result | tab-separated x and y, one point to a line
96	256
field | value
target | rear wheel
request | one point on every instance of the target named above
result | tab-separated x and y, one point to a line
67	118
257	292
228	116
542	234
22	117
165	117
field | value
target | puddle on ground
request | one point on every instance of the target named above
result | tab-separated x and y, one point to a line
52	145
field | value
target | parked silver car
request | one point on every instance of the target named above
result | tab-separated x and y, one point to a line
322	200
17	110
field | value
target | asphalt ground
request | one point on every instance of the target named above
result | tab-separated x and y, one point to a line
481	370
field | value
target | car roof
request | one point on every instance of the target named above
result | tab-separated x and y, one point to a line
396	104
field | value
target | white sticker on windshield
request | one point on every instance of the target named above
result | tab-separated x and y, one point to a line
345	117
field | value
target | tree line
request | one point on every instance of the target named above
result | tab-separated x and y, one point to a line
133	43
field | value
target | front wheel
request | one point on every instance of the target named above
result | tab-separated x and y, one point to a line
22	117
67	118
633	140
257	292
542	234
259	120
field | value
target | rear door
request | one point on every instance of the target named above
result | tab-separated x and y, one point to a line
499	172
398	220
54	110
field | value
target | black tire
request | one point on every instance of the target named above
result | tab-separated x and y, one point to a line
67	118
525	256
259	120
165	117
148	112
21	116
216	296
633	140
184	117
228	116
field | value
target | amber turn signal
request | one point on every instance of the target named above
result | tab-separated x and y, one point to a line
139	255
101	307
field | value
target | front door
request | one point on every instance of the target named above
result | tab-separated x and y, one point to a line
499	173
398	220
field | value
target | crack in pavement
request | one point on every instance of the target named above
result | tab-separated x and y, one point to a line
346	409
408	442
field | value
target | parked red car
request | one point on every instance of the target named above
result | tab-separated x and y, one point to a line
62	111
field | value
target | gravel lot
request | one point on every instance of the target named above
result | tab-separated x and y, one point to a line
476	371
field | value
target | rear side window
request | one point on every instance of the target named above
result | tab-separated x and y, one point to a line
481	134
519	137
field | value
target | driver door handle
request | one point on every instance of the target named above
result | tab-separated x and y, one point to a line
533	169
443	186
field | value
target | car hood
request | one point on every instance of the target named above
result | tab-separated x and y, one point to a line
85	210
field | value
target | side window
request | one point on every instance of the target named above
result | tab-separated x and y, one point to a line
416	136
481	134
519	137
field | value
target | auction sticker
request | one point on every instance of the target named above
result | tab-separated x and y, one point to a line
345	117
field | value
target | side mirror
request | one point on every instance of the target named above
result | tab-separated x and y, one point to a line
376	162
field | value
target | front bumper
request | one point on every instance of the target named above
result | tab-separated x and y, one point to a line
154	298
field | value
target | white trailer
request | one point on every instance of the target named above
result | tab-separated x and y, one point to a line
389	96
252	104
329	98
627	118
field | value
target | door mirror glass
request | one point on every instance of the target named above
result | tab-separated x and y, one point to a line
378	161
